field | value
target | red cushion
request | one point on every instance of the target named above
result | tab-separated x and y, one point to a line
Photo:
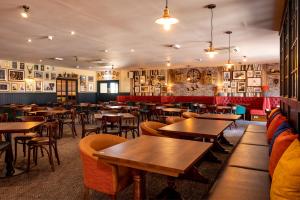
257	112
282	142
272	115
274	125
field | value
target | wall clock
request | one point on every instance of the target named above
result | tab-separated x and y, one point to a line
193	75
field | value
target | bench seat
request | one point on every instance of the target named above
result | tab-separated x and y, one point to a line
256	128
254	138
250	157
239	183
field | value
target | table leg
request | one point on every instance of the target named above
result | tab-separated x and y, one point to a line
169	192
139	185
9	157
223	140
195	175
217	147
211	157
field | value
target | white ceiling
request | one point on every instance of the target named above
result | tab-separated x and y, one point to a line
129	24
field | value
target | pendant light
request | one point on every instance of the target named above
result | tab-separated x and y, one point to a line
25	11
229	64
166	20
211	51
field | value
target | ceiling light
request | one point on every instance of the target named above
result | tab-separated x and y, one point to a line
57	58
132	50
29	40
41	60
72	33
106	50
166	20
168	64
77	66
229	65
211	50
25	11
50	37
244	58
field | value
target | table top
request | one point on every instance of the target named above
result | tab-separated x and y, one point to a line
224	107
17	127
196	127
123	115
50	112
231	117
161	155
178	110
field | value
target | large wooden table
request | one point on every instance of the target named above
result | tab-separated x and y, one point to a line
49	112
229	117
162	155
199	128
123	115
8	128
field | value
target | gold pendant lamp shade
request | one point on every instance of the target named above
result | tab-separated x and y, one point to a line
166	20
211	50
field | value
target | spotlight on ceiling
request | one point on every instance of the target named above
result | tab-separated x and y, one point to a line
244	58
106	50
29	40
132	50
58	58
72	32
168	64
25	11
41	60
50	37
77	66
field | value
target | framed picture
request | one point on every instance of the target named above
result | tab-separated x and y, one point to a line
17	86
226	75
38	86
136	78
42	68
144	89
233	90
233	84
53	76
142	79
257	73
90	78
136	89
91	87
241	87
36	67
16	75
226	84
250	89
30	84
83	83
250	74
3	74
257	89
4	87
157	90
239	75
22	66
254	82
49	86
14	65
38	75
29	71
47	76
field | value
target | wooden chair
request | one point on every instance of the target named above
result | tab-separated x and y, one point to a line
174	119
70	122
132	125
113	121
98	175
23	139
87	129
48	143
151	128
189	114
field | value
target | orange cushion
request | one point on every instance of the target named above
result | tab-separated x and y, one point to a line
273	112
274	125
281	143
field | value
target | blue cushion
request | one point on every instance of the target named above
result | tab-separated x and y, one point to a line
283	127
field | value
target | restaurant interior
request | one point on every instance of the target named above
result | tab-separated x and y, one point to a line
201	103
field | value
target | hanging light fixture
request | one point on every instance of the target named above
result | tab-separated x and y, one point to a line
211	50
166	20
25	11
229	64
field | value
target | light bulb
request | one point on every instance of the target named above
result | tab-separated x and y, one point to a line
211	55
168	64
24	14
167	27
29	40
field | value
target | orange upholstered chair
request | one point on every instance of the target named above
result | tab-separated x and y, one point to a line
98	175
174	119
151	128
189	114
275	123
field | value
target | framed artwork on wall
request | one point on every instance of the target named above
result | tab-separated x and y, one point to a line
14	65
38	86
137	79
250	74
226	84
233	84
30	86
142	79
91	87
257	73
239	75
226	75
257	89
144	89
3	74
36	67
47	76
49	86
253	82
136	89
22	66
53	76
42	68
38	75
16	75
241	87
4	87
90	78
29	71
17	86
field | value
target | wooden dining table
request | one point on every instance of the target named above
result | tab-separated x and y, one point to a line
199	128
8	128
49	112
162	155
213	116
123	115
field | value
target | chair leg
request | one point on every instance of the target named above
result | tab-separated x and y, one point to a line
56	154
35	153
86	193
16	152
51	158
24	148
28	159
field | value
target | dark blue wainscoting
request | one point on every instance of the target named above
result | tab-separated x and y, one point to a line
110	97
87	97
27	98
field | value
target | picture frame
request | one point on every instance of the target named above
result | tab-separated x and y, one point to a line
90	79
29	71
254	82
241	87
17	86
22	66
14	65
136	89
29	86
47	76
16	75
83	83
226	76
36	67
144	88
136	78
53	76
250	89
38	75
91	87
233	84
250	74
142	79
49	86
257	73
239	75
42	68
226	84
4	87
3	75
257	89
38	86
157	90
